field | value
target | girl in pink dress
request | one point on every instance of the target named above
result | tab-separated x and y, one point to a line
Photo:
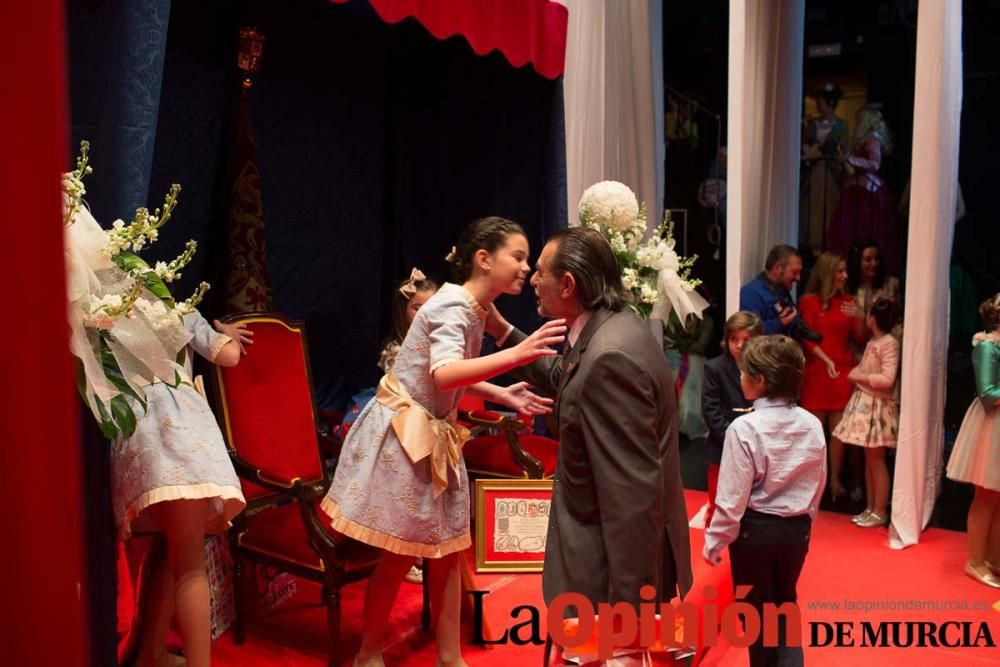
825	387
871	418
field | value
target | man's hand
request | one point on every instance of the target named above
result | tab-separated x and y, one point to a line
787	315
496	325
237	332
711	557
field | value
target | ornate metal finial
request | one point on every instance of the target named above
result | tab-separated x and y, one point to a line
250	53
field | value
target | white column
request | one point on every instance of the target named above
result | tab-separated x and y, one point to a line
613	99
765	114
937	108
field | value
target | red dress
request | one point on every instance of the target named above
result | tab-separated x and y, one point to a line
819	390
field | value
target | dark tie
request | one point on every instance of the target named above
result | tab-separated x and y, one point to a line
565	354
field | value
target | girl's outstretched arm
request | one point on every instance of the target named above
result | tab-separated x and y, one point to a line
517	396
465	372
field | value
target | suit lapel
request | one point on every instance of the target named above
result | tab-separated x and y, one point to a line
572	362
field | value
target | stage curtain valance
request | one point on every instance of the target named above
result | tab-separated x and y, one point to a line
524	31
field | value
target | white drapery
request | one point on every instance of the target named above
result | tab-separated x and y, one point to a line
937	109
765	112
613	89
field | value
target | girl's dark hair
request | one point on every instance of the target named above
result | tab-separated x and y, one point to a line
854	266
884	312
397	309
586	254
779	359
989	311
487	234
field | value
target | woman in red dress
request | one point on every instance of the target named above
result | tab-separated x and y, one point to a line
825	387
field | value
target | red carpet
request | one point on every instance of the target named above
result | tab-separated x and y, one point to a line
846	566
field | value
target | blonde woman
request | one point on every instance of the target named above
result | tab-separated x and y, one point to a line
829	311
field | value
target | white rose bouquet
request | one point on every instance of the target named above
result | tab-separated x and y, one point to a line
658	278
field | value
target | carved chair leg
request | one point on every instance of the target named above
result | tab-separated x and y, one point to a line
331	598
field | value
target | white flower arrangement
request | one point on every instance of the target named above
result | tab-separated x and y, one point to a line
117	352
612	203
657	277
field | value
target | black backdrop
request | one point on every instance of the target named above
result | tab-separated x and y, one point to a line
376	144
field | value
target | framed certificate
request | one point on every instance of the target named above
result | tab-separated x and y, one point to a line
512	521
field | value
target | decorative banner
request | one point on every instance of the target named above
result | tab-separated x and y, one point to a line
248	287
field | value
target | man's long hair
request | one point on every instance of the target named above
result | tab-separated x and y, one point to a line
586	254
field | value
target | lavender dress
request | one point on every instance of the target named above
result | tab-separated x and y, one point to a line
379	496
177	451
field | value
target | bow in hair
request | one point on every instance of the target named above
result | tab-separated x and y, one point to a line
409	288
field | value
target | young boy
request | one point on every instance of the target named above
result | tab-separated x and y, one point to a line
770	483
722	398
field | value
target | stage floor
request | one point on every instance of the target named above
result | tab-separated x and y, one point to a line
848	568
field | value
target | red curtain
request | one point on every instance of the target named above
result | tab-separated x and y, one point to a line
42	559
523	30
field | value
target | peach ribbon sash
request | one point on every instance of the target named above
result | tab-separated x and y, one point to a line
421	433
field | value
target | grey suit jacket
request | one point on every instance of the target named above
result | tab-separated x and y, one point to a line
618	517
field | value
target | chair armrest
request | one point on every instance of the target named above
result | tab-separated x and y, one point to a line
296	488
510	426
491	420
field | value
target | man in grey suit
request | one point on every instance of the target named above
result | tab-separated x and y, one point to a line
618	519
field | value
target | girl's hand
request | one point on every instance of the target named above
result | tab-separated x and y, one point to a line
526	402
831	369
238	332
537	344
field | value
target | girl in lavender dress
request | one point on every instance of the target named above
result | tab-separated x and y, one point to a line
401	483
174	475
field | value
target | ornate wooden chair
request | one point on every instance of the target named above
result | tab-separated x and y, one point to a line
266	413
503	446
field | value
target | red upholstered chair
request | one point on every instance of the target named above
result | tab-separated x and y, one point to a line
504	446
265	409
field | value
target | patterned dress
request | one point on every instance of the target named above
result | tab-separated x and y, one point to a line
177	451
976	456
871	418
384	491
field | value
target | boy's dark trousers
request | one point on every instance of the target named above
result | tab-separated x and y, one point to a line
768	555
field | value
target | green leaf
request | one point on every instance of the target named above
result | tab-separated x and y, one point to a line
108	427
129	262
123	415
115	375
81	377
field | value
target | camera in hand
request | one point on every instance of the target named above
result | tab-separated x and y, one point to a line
798	329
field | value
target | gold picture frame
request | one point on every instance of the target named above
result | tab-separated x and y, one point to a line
512	540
